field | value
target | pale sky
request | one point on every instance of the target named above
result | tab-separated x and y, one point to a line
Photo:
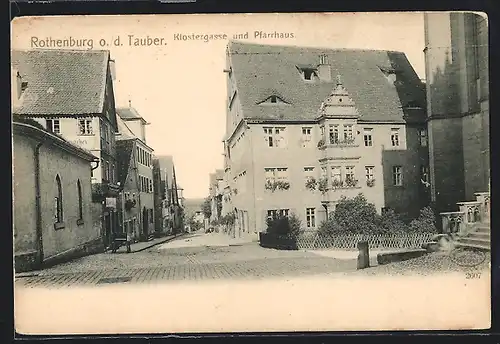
180	87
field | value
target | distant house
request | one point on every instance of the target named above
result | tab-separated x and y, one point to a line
158	194
70	93
306	126
219	205
192	207
52	198
135	174
172	212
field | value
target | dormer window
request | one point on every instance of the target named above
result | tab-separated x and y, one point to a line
323	59
390	74
273	100
308	72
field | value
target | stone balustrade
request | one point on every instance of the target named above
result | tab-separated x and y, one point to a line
472	211
453	222
469	213
484	199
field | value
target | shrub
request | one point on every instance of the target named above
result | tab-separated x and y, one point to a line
295	225
425	223
330	227
356	215
391	222
284	225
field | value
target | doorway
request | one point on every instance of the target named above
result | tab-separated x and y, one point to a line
145	223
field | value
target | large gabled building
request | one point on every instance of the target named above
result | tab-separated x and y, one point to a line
306	126
135	173
70	93
171	203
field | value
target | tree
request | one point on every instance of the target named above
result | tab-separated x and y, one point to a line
206	208
285	225
356	215
425	223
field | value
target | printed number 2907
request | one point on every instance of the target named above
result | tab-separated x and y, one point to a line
472	275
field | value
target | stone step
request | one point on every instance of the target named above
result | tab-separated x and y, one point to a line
480	235
474	241
483	229
479	247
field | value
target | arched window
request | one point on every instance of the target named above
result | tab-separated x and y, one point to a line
59	201
80	200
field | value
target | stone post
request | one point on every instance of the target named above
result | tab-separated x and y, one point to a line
446	223
364	255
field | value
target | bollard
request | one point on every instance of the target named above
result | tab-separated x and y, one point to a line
364	255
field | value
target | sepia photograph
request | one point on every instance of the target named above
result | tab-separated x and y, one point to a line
236	173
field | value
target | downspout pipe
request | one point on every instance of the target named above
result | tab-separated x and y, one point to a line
38	207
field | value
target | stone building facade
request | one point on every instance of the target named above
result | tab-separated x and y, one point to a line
456	58
306	126
53	217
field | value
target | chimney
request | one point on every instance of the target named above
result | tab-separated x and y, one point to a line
324	69
112	69
16	86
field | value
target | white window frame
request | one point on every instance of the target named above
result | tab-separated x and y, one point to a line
306	136
369	172
55	125
279	137
348	132
397	175
368	137
268	132
269	174
350	172
333	134
336	176
395	141
87	127
425	173
273	213
311	218
423	137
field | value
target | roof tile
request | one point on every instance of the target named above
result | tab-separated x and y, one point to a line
264	70
62	82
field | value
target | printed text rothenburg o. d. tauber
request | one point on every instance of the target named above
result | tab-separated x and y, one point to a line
90	43
141	41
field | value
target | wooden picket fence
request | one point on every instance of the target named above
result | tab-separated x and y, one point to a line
315	241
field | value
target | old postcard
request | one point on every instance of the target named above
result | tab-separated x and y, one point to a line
251	172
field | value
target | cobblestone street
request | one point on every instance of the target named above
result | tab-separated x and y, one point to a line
194	263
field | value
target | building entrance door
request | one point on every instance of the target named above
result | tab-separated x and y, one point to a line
145	222
107	229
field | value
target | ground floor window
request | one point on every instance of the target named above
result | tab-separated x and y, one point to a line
274	213
311	217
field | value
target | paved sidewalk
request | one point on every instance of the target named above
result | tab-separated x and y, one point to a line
206	240
144	245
